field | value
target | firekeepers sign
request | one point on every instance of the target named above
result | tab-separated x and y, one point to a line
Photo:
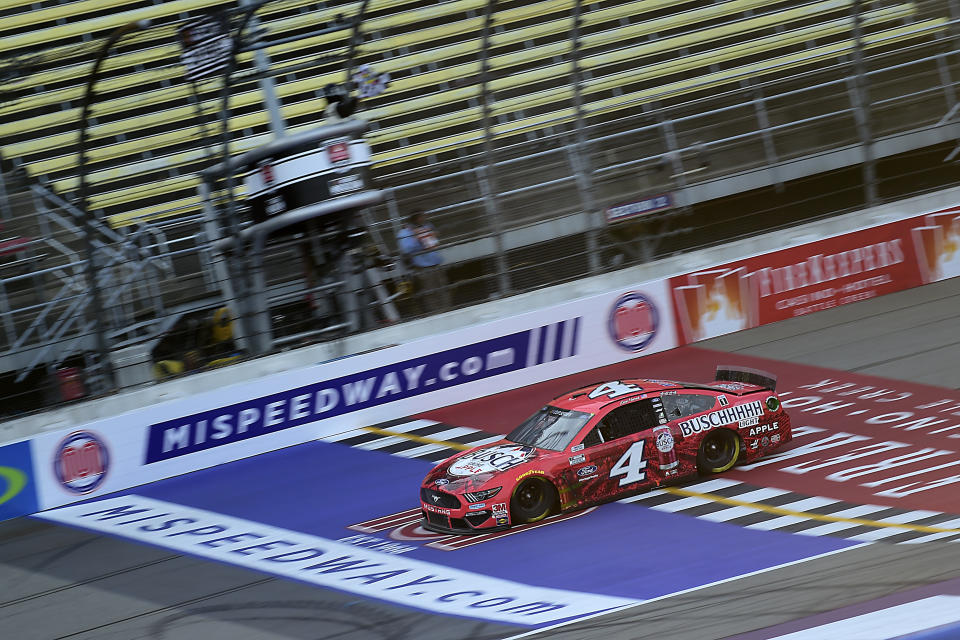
207	46
827	273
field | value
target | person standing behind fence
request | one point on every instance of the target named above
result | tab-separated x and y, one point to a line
419	245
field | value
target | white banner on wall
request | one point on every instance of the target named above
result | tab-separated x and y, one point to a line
293	407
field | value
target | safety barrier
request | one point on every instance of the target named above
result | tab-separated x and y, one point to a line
296	406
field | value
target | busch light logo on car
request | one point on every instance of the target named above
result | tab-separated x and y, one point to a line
80	462
633	321
664	441
707	421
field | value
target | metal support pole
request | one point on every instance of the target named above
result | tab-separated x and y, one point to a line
349	296
769	149
949	90
393	210
583	168
6	212
861	107
222	269
679	176
201	118
96	297
353	44
261	59
953	9
489	178
261	335
237	260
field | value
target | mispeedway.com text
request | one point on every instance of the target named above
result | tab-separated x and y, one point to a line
329	563
287	409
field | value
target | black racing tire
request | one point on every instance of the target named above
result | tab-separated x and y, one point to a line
532	501
719	451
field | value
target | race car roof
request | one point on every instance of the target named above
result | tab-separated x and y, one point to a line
608	391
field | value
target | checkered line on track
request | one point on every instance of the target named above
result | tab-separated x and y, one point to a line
423	439
716	499
751	507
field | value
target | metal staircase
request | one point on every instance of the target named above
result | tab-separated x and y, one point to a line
46	313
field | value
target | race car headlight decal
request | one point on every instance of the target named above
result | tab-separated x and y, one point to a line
773	403
479	496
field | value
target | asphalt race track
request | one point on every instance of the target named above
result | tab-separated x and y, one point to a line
860	513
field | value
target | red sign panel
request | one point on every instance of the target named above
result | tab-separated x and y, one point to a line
338	152
818	275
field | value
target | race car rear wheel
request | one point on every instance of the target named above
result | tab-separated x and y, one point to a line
718	451
532	500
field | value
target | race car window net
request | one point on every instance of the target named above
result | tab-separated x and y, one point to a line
628	420
550	428
686	404
592	438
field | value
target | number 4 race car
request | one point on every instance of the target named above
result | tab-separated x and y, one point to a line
603	442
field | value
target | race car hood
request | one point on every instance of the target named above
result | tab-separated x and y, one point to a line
476	467
492	459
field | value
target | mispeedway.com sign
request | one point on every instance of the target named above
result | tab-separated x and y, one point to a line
328	563
353	392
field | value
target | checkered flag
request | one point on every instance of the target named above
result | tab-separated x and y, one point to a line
369	83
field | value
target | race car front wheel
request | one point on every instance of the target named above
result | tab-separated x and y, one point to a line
532	500
718	451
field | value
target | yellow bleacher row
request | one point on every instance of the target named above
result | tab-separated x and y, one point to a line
147	53
33	17
468	116
393	65
503	107
78	72
238	100
119	149
164	95
187	113
192	204
155	13
6	5
395	132
73	29
523	125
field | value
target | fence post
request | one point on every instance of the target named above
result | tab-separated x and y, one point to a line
580	158
769	149
487	177
861	107
89	229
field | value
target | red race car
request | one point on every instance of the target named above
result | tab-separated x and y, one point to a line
603	442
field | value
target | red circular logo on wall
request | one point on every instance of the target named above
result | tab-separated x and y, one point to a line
80	462
633	321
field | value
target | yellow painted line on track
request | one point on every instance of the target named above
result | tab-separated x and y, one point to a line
780	511
414	438
686	493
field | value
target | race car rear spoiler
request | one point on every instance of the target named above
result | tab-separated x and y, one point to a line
731	373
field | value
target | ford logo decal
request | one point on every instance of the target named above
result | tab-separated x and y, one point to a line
586	471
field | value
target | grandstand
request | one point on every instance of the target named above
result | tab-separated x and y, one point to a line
698	99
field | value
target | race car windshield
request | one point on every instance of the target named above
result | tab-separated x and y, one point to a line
550	428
